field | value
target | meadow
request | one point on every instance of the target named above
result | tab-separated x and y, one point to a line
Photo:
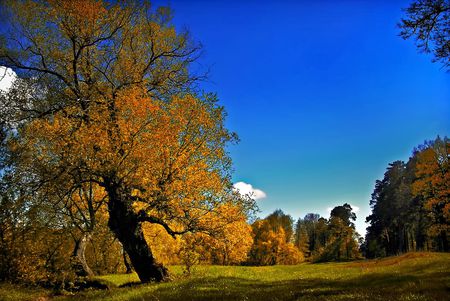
412	276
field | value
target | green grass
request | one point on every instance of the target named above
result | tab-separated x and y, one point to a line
413	276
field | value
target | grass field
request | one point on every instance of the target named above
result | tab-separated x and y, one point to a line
413	276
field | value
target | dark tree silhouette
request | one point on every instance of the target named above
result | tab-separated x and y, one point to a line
345	213
428	21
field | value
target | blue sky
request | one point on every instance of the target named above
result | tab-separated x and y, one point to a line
323	95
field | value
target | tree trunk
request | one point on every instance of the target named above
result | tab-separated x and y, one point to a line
444	241
78	257
127	263
125	224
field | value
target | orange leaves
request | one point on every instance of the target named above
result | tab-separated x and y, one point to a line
230	243
164	246
231	240
113	110
171	154
176	150
433	183
103	63
79	18
79	10
433	172
446	211
270	246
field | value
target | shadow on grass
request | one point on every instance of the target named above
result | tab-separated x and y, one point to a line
371	287
414	280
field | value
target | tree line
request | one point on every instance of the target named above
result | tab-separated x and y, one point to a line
277	240
411	204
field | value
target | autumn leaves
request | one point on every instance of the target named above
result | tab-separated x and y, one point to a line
115	108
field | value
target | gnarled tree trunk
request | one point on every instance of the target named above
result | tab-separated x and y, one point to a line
126	262
78	257
125	224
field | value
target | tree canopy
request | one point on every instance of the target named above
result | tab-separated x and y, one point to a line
107	98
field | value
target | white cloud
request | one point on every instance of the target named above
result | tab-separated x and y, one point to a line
248	189
7	76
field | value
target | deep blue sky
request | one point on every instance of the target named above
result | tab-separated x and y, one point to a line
322	94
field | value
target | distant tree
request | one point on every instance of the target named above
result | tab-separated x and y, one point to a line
271	243
230	245
307	234
322	235
267	243
341	242
339	236
345	213
301	237
279	219
428	22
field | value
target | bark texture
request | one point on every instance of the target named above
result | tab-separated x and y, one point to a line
125	224
126	262
79	262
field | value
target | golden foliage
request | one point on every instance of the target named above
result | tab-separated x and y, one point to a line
111	109
228	245
171	153
433	184
271	247
165	248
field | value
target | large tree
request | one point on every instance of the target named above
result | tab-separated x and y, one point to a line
433	185
108	101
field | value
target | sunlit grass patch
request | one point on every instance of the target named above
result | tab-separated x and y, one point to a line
121	279
415	276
